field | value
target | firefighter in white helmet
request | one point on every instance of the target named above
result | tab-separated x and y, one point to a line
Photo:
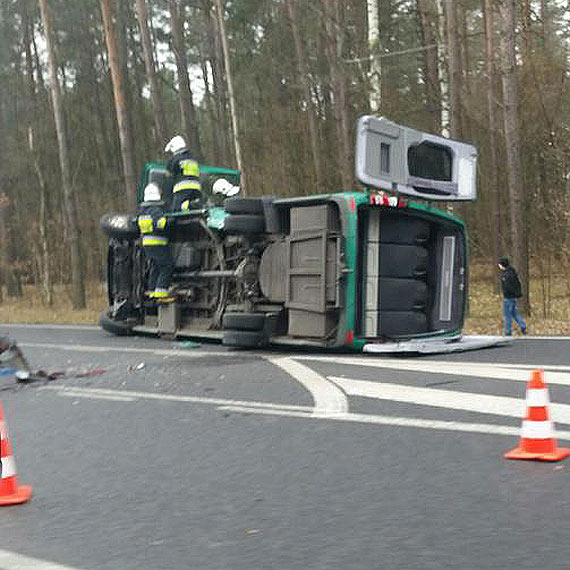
154	227
185	170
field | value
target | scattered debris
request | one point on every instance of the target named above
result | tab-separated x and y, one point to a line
12	360
252	531
135	367
188	344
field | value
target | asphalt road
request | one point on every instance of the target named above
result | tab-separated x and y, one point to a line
151	454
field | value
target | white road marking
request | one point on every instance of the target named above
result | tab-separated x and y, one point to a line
132	395
51	326
328	398
263	408
77	394
516	373
182	352
449	399
466	427
14	561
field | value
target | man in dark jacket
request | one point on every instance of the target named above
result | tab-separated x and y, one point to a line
185	170
154	228
512	291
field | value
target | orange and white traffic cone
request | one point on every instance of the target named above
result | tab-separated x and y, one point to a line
537	434
10	492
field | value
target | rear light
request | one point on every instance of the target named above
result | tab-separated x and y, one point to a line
382	199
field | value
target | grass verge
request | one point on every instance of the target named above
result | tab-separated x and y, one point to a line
550	305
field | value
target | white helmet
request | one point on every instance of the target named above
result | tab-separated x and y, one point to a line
175	144
222	186
151	192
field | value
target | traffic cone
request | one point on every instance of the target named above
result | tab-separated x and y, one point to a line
10	492
537	434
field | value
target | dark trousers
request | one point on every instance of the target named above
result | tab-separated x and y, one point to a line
161	266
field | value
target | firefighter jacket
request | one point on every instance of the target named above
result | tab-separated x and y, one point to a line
153	224
185	171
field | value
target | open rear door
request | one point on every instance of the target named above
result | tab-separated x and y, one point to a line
406	161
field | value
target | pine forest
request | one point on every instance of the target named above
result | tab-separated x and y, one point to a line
92	89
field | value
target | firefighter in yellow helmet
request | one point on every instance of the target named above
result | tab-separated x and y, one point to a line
154	228
185	170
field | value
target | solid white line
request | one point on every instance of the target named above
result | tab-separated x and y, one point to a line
102	392
77	394
263	408
185	353
328	398
13	561
397	421
449	399
475	369
49	326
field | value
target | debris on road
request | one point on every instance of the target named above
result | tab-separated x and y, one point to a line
12	360
188	344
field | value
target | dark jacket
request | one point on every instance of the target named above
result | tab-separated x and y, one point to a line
510	284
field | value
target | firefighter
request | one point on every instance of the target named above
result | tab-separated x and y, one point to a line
185	170
154	227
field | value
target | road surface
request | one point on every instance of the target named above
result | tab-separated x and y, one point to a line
152	454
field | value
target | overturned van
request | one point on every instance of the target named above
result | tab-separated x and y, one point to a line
356	270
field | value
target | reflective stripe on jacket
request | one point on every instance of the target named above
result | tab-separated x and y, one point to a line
154	240
186	185
153	224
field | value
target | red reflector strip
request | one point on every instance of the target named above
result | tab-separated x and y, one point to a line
351	205
349	337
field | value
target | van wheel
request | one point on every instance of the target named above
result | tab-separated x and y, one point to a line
243	321
118	328
244	206
244	339
244	224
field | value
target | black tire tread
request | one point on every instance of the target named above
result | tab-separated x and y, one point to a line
244	339
243	321
244	224
118	328
239	205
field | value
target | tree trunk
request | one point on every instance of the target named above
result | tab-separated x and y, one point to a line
303	78
442	70
229	81
125	137
512	142
333	47
433	87
44	261
375	72
454	63
157	109
187	110
77	275
493	171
